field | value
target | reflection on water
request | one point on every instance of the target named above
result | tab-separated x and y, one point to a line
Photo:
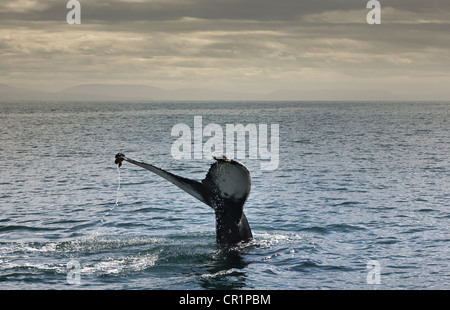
226	270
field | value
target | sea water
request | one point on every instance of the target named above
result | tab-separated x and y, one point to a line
360	198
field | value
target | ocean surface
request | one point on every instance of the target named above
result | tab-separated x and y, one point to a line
360	199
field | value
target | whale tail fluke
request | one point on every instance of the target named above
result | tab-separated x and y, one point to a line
225	189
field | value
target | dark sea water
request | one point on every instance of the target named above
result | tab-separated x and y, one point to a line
356	183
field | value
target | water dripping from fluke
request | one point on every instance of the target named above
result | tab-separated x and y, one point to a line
116	204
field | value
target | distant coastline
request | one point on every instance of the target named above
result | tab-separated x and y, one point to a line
115	92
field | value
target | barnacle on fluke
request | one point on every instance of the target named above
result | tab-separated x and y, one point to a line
119	159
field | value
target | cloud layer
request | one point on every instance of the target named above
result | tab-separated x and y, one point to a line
239	45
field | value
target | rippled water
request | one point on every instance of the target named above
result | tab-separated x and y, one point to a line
357	182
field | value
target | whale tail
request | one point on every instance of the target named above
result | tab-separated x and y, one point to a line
225	189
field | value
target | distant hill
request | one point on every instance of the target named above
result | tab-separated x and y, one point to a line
13	93
110	92
333	95
140	92
102	92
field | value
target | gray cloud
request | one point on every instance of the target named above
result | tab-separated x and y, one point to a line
117	10
256	10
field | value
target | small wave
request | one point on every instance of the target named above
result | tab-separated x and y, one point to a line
344	227
221	273
388	240
116	266
426	210
415	230
88	244
101	267
32	267
310	265
333	228
305	265
10	228
279	236
316	229
275	238
346	203
80	245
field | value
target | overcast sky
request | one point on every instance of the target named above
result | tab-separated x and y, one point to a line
238	45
